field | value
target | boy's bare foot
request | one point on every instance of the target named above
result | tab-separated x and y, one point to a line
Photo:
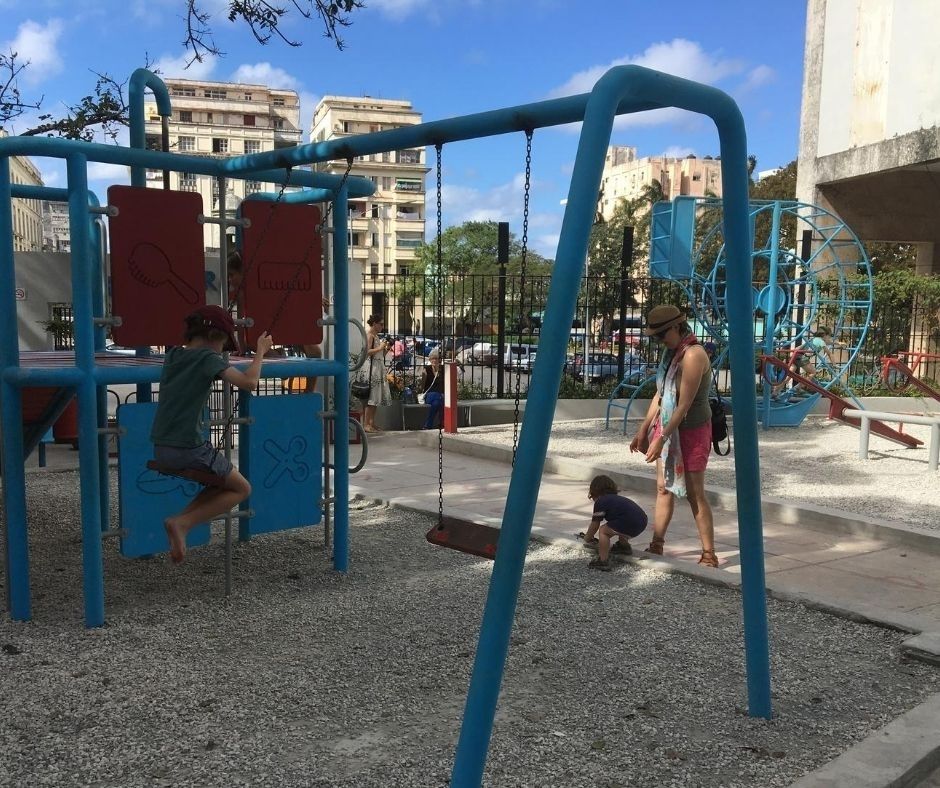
177	540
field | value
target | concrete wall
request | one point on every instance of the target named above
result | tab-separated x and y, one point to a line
42	278
870	121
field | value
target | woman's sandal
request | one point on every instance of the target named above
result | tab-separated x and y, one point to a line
656	546
709	558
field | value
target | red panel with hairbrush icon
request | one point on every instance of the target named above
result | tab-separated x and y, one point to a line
158	268
282	289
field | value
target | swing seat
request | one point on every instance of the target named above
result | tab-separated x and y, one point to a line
465	536
205	478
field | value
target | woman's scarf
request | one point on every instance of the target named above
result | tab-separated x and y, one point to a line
666	381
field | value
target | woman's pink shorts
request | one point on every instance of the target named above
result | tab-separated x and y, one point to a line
696	445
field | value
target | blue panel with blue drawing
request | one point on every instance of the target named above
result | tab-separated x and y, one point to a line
281	454
147	497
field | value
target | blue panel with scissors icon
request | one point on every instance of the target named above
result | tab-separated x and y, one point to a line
148	497
281	454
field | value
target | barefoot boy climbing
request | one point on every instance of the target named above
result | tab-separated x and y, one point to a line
188	373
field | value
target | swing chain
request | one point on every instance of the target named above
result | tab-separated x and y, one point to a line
522	272
439	147
309	250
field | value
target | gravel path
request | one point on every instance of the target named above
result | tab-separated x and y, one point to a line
816	464
306	678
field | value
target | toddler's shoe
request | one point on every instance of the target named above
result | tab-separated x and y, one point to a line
602	566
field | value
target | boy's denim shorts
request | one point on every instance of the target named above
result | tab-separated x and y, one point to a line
202	458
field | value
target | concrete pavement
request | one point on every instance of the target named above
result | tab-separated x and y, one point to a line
854	566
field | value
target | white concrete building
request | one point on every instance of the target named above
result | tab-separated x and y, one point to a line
626	176
55	227
870	125
386	227
222	119
27	214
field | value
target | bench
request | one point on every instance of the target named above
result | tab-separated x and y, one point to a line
413	415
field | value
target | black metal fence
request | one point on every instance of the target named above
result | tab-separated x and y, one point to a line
485	313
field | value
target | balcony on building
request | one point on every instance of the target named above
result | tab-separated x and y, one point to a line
408	213
408	157
409	240
409	185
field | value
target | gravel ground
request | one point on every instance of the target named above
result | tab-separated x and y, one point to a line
307	678
816	464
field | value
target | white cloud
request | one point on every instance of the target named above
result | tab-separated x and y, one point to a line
37	45
100	171
677	152
757	77
679	57
501	203
398	9
175	67
265	74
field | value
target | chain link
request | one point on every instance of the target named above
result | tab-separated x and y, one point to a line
522	271
439	148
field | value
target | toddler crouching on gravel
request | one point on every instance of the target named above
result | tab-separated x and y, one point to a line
624	519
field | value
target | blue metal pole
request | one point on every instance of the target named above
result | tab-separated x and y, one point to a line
139	81
89	467
770	319
639	85
16	554
738	242
341	381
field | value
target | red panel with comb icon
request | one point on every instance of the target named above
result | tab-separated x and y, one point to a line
282	291
157	264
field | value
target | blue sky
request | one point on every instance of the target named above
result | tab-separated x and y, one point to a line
449	58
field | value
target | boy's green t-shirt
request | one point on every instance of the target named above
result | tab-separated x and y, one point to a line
184	389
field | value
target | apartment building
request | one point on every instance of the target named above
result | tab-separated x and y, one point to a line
222	119
27	214
385	228
55	227
627	177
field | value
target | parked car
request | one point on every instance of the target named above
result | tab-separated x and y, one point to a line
521	357
484	353
603	366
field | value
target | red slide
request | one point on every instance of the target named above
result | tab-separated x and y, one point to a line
838	406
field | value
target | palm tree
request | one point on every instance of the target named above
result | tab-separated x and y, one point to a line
653	192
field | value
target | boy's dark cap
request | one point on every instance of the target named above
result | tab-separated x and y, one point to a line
216	317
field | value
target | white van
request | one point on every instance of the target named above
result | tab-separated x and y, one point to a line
521	357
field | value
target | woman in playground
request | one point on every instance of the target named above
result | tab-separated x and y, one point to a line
678	410
373	372
625	519
188	373
433	388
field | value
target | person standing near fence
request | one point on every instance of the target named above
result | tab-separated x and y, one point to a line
373	372
677	431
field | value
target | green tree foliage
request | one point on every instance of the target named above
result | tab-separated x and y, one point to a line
105	108
469	271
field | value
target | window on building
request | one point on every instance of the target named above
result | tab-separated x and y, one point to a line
375	240
357	239
347	127
409	157
187	182
386	182
403	270
153	142
278	101
215	93
252	146
696	177
249	120
186	116
279	123
219	145
407	185
374	270
209	117
187	144
248	97
184	91
375	210
252	187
